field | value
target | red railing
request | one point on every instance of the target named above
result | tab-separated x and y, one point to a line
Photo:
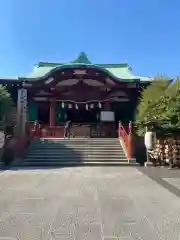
33	130
125	135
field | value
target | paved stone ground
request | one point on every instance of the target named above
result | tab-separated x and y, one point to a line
170	179
82	203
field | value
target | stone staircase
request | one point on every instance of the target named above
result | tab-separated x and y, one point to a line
60	152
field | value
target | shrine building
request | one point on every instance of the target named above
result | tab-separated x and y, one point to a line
93	96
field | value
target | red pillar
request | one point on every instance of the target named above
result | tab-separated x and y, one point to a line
107	106
52	114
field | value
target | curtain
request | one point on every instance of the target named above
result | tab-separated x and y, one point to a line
32	112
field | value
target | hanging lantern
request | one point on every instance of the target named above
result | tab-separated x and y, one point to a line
62	105
70	105
77	106
100	105
86	106
92	106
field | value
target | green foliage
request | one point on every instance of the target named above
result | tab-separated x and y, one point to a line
149	108
171	115
5	102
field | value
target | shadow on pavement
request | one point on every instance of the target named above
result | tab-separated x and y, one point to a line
158	174
53	155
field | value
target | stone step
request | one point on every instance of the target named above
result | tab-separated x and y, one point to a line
59	152
69	163
33	154
77	140
73	159
66	150
75	147
71	156
75	150
76	143
76	157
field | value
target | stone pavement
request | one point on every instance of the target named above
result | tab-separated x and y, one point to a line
86	203
170	179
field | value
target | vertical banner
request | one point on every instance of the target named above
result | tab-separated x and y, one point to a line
18	122
21	110
24	110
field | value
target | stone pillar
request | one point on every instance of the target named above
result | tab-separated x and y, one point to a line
18	120
119	129
130	143
22	111
52	114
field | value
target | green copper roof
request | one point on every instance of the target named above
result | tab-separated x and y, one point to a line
121	72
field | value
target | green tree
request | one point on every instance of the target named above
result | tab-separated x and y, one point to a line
171	113
152	103
5	102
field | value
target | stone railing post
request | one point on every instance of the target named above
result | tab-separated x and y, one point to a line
130	142
21	111
119	127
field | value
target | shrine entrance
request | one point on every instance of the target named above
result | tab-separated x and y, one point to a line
77	113
83	115
43	113
84	95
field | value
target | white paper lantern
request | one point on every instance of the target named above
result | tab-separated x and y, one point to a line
62	104
70	105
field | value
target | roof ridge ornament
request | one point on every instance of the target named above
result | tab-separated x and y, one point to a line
82	58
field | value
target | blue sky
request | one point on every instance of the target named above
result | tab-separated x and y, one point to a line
143	33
